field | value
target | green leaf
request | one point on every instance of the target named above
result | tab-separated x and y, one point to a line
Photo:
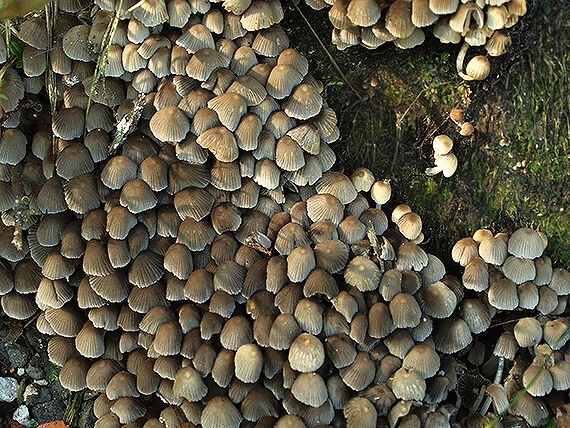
15	48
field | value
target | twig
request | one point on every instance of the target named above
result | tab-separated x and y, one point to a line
323	47
51	16
103	56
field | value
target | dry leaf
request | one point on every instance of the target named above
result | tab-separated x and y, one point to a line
54	424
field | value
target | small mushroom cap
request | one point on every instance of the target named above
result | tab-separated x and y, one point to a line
119	222
408	384
178	261
506	346
478	67
544	271
325	207
519	270
528	332
270	41
442	7
399	211
381	191
18	306
320	282
442	144
363	13
195	38
503	294
304	102
310	389
434	270
153	171
405	311
399	342
437	300
300	263
220	412
289	156
451	335
411	257
548	300
464	250
410	225
170	124
560	373
75	44
74	373
476	314
113	287
128	409
122	384
81	194
340	349
476	275
188	383
360	373
204	62
337	185
117	171
493	250
331	255
168	338
362	273
541	384
306	353
526	243
237	331
528	295
146	269
100	373
447	164
89	341
424	359
363	179
283	332
530	408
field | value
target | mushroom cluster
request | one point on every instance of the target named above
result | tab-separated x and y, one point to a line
513	276
371	23
193	251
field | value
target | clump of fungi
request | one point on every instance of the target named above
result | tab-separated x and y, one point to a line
371	23
182	232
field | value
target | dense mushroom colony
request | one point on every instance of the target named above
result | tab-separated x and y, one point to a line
197	259
372	23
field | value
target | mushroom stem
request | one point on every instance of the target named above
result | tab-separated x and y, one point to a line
498	376
459	61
